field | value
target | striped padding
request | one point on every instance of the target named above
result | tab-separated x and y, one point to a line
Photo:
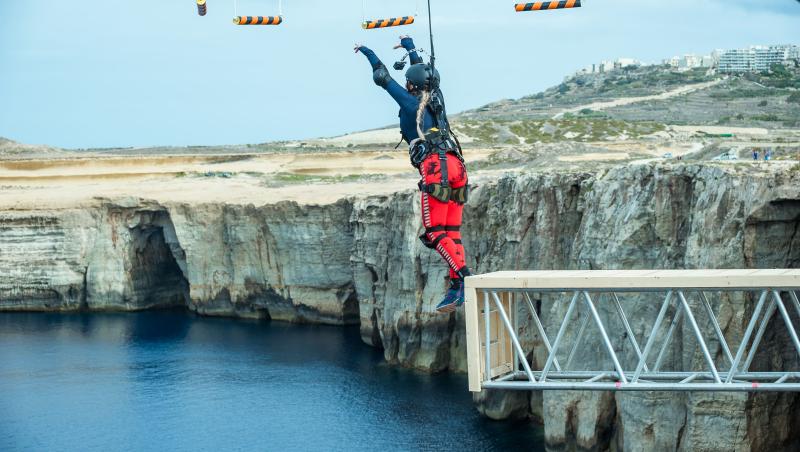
540	6
391	22
258	20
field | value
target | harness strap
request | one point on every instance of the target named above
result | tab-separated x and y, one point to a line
439	192
431	243
436	241
442	229
458	195
400	142
443	167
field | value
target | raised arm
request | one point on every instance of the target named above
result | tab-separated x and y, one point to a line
382	78
408	44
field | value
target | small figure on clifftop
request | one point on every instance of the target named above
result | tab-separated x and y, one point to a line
436	154
755	154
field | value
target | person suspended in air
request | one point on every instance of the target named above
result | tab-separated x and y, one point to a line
435	152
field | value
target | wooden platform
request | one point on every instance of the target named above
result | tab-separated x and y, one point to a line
637	279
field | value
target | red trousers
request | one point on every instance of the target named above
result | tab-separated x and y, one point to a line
442	220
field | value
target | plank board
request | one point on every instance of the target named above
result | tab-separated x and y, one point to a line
500	345
638	279
474	341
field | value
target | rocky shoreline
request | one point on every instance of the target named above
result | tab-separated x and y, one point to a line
358	261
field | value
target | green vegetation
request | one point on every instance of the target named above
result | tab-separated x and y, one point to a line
778	70
779	76
714	135
743	93
588	127
294	178
589	113
483	131
696	75
647	78
794	98
768	118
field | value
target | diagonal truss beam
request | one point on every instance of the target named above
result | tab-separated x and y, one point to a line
628	330
540	329
604	335
729	371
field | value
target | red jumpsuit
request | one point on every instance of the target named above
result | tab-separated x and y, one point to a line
442	220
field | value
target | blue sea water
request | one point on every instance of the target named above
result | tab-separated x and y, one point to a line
172	381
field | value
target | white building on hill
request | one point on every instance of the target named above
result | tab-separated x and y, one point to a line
691	61
608	66
756	58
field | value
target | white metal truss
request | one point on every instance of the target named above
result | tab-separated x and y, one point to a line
494	341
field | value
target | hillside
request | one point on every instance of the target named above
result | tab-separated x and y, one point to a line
10	149
667	96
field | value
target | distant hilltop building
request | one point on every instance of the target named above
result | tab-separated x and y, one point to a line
750	59
608	66
757	58
691	61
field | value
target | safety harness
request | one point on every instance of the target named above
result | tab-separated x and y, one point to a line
442	140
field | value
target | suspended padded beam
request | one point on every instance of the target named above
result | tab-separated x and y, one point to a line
258	20
391	22
201	7
554	4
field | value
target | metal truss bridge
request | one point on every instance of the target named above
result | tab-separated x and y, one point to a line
500	306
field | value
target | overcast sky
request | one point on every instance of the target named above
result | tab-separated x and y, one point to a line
97	73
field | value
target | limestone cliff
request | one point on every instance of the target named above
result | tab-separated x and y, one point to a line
358	260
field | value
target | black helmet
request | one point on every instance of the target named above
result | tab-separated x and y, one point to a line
422	76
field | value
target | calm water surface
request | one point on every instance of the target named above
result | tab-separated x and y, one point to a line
172	381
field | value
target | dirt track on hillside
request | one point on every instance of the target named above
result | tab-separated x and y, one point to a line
599	106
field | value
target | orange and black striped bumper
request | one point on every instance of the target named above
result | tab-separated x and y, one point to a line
201	7
258	20
554	4
391	22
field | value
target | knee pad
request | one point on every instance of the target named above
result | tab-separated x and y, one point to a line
381	76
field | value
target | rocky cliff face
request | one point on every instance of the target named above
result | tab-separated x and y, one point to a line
359	261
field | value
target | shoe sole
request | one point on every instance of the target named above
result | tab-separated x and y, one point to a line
447	308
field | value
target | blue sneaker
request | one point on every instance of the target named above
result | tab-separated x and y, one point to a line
453	298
